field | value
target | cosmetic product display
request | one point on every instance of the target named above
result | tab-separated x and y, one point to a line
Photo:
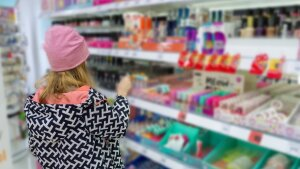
215	84
199	147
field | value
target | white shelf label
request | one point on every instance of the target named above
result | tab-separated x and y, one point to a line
160	55
163	160
144	151
294	149
131	100
117	4
226	128
133	53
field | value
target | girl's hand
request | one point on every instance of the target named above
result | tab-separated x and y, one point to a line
124	86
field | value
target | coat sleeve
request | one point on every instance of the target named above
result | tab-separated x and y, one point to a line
108	121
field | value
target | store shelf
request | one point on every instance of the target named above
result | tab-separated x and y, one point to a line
155	155
247	51
116	6
137	54
98	30
269	141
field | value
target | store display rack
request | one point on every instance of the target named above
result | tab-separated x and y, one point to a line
267	140
247	47
155	156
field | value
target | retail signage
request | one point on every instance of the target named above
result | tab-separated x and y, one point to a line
255	137
219	81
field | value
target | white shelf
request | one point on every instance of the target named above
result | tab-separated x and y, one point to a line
163	4
237	46
116	6
137	54
155	155
99	30
269	141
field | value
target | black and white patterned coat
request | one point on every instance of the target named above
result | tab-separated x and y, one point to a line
83	136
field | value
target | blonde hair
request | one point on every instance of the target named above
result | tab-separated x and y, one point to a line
54	84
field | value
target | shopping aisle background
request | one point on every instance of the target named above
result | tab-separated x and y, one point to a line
215	83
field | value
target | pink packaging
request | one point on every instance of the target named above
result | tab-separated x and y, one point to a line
101	2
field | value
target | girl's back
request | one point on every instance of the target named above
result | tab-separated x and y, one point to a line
71	125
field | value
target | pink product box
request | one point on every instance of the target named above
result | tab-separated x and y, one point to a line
213	103
101	2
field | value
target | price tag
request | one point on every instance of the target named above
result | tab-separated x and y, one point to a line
133	53
226	128
116	52
255	137
117	4
160	56
181	116
127	53
125	4
144	151
131	100
109	52
122	52
163	160
204	166
294	149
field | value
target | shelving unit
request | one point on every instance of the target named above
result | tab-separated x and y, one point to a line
12	88
269	141
247	47
4	139
155	156
116	7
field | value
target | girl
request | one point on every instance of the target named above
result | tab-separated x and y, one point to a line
71	125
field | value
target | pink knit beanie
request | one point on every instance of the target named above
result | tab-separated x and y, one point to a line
65	48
